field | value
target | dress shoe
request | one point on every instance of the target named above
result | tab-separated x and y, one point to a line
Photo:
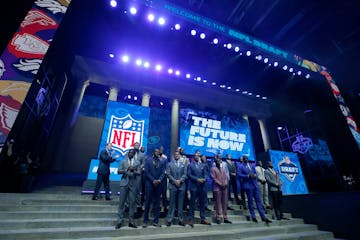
168	224
227	221
254	220
95	198
285	218
230	208
182	224
266	220
205	222
217	221
118	225
132	225
108	199
208	209
144	225
156	225
191	224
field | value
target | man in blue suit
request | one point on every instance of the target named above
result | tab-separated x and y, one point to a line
251	188
130	169
154	173
197	173
103	172
177	173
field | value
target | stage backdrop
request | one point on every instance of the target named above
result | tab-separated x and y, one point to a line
212	133
288	166
124	125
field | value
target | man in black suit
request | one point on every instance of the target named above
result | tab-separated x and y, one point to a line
104	172
154	173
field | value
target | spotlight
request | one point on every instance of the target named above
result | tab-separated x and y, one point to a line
161	103
229	46
276	64
161	21
299	73
291	69
204	81
111	55
202	35
257	95
228	87
307	75
264	98
113	3
237	90
135	98
285	67
215	41
158	67
198	78
258	57
237	49
138	62
107	92
193	32
266	60
250	94
222	86
146	64
248	53
125	58
129	96
279	128
151	17
170	71
213	83
177	26
244	92
188	75
133	10
177	73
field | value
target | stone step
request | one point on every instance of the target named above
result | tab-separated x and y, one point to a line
223	231
103	222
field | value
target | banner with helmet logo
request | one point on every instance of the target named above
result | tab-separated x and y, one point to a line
125	124
287	165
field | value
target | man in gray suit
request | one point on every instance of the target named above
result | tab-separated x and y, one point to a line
139	156
274	182
176	171
130	170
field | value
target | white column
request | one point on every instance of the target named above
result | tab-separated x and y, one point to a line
264	134
174	126
145	102
113	94
246	117
78	96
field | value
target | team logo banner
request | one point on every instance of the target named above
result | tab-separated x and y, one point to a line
124	125
211	133
287	165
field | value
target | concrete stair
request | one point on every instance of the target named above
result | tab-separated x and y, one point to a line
70	215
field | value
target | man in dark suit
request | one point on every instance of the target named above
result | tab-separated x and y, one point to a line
197	173
154	173
139	156
177	173
248	174
130	170
106	157
232	181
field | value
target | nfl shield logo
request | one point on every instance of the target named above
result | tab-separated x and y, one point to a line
124	132
288	168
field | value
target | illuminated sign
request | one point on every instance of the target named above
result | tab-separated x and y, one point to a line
212	134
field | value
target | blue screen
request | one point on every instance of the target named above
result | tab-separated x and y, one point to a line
212	133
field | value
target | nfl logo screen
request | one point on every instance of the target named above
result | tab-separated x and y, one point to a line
124	132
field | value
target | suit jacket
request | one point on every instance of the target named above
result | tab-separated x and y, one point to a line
140	156
219	178
196	171
129	178
232	167
154	170
243	173
274	181
175	172
104	163
260	172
